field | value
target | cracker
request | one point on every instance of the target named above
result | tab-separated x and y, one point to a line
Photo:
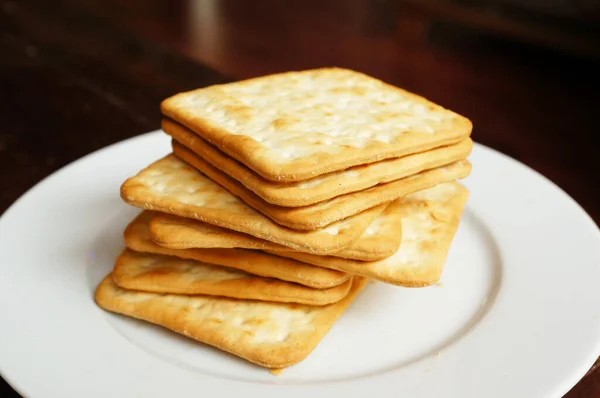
297	125
380	240
137	238
326	186
171	186
324	213
272	335
430	219
166	274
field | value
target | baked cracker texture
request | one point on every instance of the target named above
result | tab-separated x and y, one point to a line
430	219
165	274
272	335
297	125
380	240
137	238
339	208
172	186
326	186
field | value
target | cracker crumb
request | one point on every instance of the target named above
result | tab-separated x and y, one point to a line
439	284
276	372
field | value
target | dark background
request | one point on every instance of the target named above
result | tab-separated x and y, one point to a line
76	76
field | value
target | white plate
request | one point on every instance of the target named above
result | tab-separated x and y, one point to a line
517	313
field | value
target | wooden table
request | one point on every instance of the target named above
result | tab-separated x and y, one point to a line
77	76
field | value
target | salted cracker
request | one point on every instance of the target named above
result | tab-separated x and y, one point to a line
171	186
323	187
330	211
430	219
297	125
272	335
137	238
166	274
381	239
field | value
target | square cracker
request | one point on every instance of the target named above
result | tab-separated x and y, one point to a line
430	219
137	238
323	187
165	274
273	335
379	241
327	212
297	125
171	186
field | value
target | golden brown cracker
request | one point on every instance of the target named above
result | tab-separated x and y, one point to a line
272	335
324	213
381	239
137	238
326	186
430	219
166	274
297	125
171	186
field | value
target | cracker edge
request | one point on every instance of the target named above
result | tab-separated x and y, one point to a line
281	357
136	194
244	148
281	215
164	238
241	259
261	288
297	197
338	208
432	274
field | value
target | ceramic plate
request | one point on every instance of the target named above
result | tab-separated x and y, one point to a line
517	313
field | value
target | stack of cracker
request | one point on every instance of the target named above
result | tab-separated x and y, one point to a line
282	196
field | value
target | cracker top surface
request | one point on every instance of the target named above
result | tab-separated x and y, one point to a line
171	177
170	185
294	116
251	322
273	335
430	219
147	263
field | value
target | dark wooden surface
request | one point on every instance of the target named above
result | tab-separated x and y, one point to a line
76	76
